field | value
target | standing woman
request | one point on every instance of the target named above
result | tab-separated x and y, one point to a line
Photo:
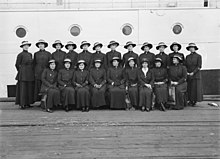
175	47
160	84
165	58
72	55
41	59
59	55
49	90
147	54
97	79
177	77
146	81
193	65
113	53
116	87
81	82
25	77
131	77
65	77
85	54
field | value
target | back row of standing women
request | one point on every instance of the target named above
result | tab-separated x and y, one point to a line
99	79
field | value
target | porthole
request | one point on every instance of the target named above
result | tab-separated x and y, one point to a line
21	31
127	29
177	28
75	30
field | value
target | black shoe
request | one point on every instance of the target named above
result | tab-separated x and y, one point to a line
83	109
162	107
87	109
142	109
66	108
147	109
49	110
22	107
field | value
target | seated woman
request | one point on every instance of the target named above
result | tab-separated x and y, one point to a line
65	77
80	80
97	79
160	84
177	77
131	77
115	77
146	81
49	90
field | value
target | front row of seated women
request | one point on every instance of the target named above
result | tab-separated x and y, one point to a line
98	88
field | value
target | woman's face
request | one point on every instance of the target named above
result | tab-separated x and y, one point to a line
97	48
41	46
158	64
67	65
175	61
131	63
161	48
81	66
115	63
113	47
144	64
70	47
175	48
192	49
97	64
26	47
146	48
85	47
58	46
52	66
130	48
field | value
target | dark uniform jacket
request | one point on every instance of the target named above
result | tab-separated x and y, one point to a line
49	79
87	56
160	74
129	54
150	56
97	76
194	64
131	76
110	55
24	66
81	77
72	55
177	73
165	59
101	56
148	79
65	77
176	53
115	75
41	59
59	57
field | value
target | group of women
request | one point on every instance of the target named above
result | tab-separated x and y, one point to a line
93	80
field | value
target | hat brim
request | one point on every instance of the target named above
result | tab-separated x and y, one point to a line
126	46
74	46
179	47
84	44
29	44
119	60
97	45
45	44
196	48
54	45
179	58
149	45
165	46
115	43
78	63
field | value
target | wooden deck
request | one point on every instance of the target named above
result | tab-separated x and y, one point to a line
32	134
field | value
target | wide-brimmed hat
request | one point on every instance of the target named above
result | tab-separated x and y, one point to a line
57	42
158	60
67	60
192	45
146	44
175	43
97	44
116	58
178	57
161	44
41	41
112	43
144	60
128	44
84	43
81	61
25	43
70	43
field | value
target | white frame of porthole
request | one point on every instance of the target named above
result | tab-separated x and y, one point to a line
20	26
77	25
177	23
127	24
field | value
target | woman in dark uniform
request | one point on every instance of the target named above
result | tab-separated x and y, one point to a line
146	81
131	77
194	79
113	53
176	47
72	55
147	54
41	59
59	55
116	85
162	55
49	90
97	79
85	54
25	77
177	77
65	77
81	83
129	45
160	84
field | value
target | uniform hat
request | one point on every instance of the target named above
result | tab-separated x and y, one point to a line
146	44
67	60
158	60
112	43
116	58
57	42
81	61
25	43
175	43
41	41
161	44
178	57
70	43
97	44
144	60
192	45
98	60
129	43
84	43
51	61
131	58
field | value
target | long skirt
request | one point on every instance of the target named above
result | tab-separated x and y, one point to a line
24	93
67	96
117	97
161	93
82	97
145	97
98	96
53	98
194	90
133	94
37	87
